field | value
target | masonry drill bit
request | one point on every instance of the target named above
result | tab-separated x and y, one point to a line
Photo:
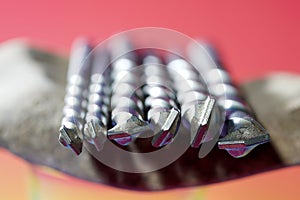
196	105
241	132
160	102
98	112
74	110
127	98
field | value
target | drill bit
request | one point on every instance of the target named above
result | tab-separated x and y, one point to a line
160	102
98	113
74	110
241	132
127	98
196	105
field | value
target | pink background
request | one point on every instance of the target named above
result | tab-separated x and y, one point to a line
255	37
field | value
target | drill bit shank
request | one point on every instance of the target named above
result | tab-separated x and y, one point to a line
126	100
74	110
98	111
160	102
196	105
241	132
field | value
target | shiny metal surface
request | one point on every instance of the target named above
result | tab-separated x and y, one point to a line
160	101
241	132
98	110
127	99
75	100
196	105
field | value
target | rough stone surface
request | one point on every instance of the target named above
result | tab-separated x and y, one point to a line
32	86
276	101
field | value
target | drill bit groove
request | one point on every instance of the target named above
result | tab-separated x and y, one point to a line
75	100
126	100
196	105
98	111
161	106
241	132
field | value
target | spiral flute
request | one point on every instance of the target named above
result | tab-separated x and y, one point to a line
241	132
160	102
196	105
127	106
75	100
98	111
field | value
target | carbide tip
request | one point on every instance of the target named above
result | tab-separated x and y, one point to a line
244	134
95	133
166	129
69	138
201	120
198	113
123	133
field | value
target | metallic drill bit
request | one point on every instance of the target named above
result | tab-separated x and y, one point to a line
196	105
160	102
98	113
241	132
74	110
127	98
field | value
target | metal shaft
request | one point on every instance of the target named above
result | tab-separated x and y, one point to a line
127	98
98	109
74	110
196	105
162	111
241	132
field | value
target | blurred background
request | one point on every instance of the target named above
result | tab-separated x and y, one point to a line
254	38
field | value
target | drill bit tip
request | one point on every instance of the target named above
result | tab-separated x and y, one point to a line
165	127
244	134
95	133
198	113
123	132
69	138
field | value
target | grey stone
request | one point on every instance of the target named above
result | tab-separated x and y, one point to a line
32	84
276	101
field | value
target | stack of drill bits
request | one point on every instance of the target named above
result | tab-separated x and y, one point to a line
127	106
241	132
160	102
196	105
74	110
98	111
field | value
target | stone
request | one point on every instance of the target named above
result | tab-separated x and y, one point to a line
32	87
276	102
